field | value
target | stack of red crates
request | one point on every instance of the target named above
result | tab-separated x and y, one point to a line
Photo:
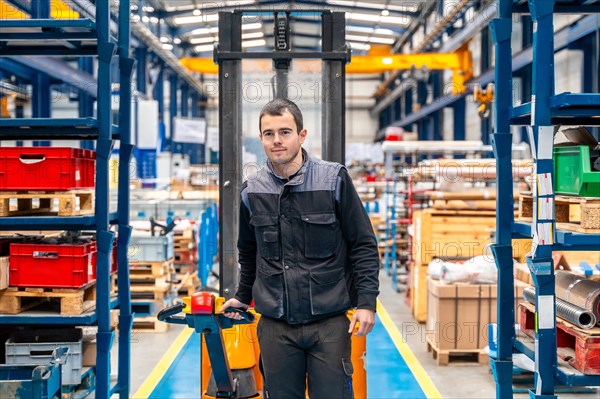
46	168
49	265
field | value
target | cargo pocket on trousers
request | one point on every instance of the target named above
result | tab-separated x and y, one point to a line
328	292
319	235
267	229
348	372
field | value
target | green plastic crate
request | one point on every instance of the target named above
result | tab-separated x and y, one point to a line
572	172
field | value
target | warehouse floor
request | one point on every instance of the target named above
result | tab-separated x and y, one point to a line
396	367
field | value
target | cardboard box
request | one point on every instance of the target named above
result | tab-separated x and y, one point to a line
458	315
4	271
89	354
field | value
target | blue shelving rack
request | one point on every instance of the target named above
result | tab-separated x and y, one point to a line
42	36
545	111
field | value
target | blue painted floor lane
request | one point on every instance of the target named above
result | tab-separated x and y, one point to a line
182	378
388	375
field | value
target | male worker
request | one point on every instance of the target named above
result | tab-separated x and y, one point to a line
307	254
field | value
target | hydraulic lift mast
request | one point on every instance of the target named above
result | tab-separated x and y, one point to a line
229	55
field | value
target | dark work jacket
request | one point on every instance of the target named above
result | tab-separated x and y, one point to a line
306	246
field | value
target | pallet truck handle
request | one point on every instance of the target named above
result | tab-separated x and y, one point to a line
168	314
249	317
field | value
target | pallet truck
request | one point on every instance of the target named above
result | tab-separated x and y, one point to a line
230	354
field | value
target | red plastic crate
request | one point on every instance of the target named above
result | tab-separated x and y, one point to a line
51	266
46	168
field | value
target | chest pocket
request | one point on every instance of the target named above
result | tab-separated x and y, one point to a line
319	234
267	235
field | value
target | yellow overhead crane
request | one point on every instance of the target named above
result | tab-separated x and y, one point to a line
459	62
59	9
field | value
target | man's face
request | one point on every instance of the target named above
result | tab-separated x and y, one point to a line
280	137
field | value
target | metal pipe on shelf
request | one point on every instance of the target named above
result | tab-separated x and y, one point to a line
579	291
581	317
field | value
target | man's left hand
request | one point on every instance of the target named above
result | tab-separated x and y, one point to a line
365	319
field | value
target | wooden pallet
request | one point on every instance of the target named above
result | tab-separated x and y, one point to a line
456	357
188	283
459	204
578	347
184	268
150	269
154	293
184	242
149	283
72	301
70	203
149	324
580	214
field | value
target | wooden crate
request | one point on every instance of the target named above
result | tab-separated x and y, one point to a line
451	234
418	292
580	214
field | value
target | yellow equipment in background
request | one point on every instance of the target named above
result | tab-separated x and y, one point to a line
460	62
484	97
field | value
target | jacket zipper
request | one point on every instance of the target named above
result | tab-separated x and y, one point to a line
287	295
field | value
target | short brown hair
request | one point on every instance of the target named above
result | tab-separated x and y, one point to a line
277	107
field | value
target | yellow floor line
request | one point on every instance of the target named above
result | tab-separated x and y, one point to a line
163	365
418	371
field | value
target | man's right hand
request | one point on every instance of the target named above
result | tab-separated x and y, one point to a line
233	303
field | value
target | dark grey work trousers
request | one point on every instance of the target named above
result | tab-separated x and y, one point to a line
320	350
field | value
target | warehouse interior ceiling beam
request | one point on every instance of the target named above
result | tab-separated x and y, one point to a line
177	8
368	22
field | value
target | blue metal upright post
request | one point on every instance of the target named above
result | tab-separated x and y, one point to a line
173	82
105	336
459	109
424	133
185	97
126	66
502	365
436	119
541	263
141	74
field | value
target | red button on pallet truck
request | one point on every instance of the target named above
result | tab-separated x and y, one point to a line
230	351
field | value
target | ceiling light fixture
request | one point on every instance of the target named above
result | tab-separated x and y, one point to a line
253	35
359	46
254	43
196	19
204	49
200	40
